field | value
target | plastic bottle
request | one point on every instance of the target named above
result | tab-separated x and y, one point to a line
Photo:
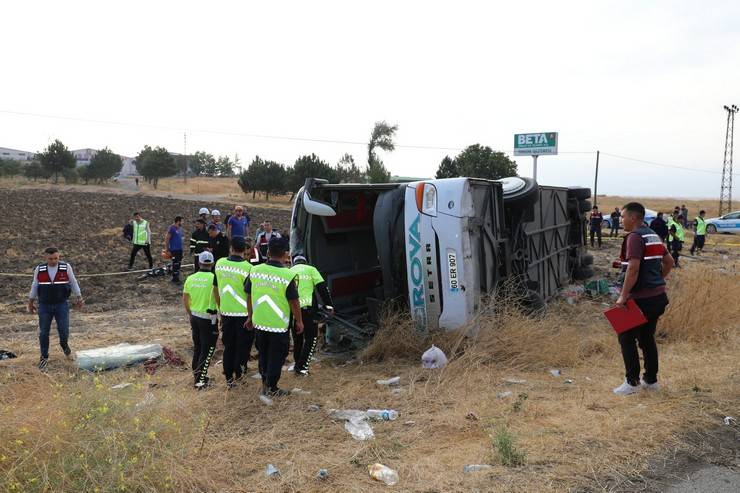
382	414
383	473
476	467
389	382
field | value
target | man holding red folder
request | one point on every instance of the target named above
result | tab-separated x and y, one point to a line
647	263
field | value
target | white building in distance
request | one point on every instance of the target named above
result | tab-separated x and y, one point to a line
15	154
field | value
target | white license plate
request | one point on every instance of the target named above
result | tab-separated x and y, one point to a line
452	270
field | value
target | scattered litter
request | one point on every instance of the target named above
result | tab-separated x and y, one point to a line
5	354
285	368
588	378
271	471
266	400
409	423
504	395
433	358
122	385
347	414
383	473
514	380
123	354
476	467
300	391
472	417
322	474
555	373
314	408
729	420
382	414
568	380
597	287
256	376
397	391
146	402
725	257
360	429
291	367
390	382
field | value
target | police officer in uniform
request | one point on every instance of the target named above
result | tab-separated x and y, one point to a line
53	282
309	281
231	273
201	303
647	263
700	233
272	296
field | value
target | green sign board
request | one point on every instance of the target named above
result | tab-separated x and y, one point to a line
535	144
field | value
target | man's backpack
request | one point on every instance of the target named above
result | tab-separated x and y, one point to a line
128	231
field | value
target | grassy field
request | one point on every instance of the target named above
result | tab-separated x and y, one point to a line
70	431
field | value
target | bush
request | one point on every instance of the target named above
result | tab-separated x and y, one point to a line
505	450
10	167
71	175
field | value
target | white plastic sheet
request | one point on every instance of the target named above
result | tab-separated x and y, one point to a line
123	354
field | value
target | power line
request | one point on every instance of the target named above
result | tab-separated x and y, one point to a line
664	165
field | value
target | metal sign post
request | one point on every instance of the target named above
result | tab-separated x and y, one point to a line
534	145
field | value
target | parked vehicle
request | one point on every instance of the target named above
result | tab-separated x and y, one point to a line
649	216
729	223
437	247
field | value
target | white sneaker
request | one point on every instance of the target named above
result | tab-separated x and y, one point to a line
649	386
626	389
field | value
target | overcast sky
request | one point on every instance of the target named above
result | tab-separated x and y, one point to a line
633	78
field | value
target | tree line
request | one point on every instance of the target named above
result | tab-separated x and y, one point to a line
261	175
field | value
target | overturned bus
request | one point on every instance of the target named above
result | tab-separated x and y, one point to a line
438	247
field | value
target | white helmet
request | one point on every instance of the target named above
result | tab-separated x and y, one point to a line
203	210
215	212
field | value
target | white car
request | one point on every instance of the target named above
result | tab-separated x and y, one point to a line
729	223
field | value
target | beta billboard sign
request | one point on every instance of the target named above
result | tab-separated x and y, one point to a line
535	144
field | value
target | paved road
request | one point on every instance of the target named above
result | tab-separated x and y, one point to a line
710	479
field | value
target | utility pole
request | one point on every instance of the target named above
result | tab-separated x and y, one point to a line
185	156
596	178
725	194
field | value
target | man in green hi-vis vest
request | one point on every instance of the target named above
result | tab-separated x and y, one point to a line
272	296
309	281
700	233
141	239
201	304
231	273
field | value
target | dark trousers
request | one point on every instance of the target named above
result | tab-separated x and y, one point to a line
676	246
147	252
596	231
644	335
196	264
176	262
205	335
698	243
304	344
237	346
273	348
47	313
614	231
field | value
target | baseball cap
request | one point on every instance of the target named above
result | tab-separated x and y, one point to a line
203	210
205	257
299	258
215	212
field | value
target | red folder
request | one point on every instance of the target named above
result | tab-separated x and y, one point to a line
624	319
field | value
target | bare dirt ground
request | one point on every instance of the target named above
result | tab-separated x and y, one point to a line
69	431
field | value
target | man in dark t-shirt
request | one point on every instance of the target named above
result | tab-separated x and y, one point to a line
647	262
595	221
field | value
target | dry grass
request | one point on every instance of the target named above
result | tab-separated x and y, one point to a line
70	432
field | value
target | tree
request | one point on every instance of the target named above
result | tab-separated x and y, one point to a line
275	179
10	167
56	158
34	171
85	174
224	166
253	178
483	162
348	171
70	175
309	167
447	168
380	138
154	164
103	165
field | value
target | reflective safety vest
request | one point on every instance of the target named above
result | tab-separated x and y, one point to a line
199	287
308	278
231	276
680	233
270	307
701	226
140	235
